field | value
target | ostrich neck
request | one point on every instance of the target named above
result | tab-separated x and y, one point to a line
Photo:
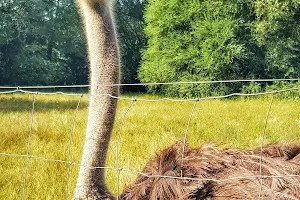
104	68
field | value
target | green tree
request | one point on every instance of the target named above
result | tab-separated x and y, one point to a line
276	28
40	43
130	25
219	40
192	41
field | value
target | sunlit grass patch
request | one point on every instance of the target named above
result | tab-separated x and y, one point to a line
148	128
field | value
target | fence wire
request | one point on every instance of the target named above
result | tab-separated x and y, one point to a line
117	168
69	147
28	148
118	144
153	100
261	149
185	137
150	84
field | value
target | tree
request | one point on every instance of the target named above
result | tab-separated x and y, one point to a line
219	40
40	43
191	41
276	28
130	25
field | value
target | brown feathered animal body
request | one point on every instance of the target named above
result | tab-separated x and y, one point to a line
227	174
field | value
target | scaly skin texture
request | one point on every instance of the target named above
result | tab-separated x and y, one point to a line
104	69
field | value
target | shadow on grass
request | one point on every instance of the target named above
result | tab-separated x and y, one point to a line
17	104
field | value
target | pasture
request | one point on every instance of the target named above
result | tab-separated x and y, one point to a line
148	127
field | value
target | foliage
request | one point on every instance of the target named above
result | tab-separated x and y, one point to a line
40	43
130	25
277	28
219	40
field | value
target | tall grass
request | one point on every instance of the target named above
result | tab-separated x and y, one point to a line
148	128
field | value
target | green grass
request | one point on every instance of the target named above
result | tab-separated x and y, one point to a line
148	128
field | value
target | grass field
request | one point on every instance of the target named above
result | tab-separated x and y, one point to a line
148	128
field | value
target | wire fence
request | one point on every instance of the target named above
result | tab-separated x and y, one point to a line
149	84
117	167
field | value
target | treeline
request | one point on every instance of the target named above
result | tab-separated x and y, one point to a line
220	40
42	43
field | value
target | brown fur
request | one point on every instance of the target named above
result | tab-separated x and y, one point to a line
211	163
